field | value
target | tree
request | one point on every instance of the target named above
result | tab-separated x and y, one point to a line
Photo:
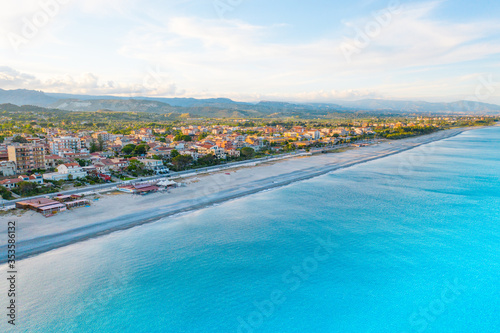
93	146
181	161
181	137
128	149
203	135
247	152
174	153
100	142
5	193
19	139
136	167
208	159
141	149
26	188
81	162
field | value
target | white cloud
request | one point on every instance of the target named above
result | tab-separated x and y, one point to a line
11	78
88	83
234	58
222	55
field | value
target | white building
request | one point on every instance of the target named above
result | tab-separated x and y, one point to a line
65	142
154	165
64	171
7	168
314	135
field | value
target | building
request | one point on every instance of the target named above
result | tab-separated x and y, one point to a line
163	152
10	183
138	188
52	161
208	148
313	134
234	152
13	182
105	136
7	168
42	205
70	143
154	165
35	178
27	156
66	171
298	129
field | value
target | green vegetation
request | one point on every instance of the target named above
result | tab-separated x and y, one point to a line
247	152
28	189
405	132
5	193
133	150
140	150
19	139
174	153
180	137
136	168
180	162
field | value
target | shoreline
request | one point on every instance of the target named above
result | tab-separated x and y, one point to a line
45	243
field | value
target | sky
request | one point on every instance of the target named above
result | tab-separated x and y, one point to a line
252	50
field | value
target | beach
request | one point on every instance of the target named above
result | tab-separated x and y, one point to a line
117	211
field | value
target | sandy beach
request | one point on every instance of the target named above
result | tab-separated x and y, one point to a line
118	211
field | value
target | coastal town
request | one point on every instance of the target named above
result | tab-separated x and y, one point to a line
40	161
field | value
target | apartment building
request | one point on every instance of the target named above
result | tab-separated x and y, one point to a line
27	156
65	142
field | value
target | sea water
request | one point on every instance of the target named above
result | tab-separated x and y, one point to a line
407	243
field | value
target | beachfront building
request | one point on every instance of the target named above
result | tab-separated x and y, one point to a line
193	153
163	152
154	165
66	171
27	156
42	205
50	206
138	188
234	152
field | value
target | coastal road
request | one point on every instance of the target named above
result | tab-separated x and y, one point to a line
8	204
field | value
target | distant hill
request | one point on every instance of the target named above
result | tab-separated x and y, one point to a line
13	107
26	97
112	105
422	107
225	107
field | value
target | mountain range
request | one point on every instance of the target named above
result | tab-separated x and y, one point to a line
224	107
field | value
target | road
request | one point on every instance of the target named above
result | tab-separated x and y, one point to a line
98	188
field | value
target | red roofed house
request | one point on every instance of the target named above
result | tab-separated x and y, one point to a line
10	183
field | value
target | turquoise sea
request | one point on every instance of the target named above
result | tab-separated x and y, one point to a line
407	243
